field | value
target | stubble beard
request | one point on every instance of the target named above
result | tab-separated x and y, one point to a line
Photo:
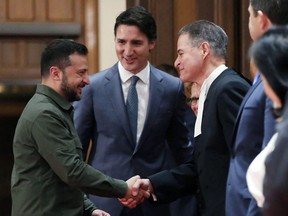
68	91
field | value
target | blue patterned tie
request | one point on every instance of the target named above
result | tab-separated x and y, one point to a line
132	107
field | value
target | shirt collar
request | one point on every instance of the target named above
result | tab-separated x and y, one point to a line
203	93
59	100
126	75
256	78
210	79
215	73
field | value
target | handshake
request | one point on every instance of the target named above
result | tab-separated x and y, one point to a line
138	190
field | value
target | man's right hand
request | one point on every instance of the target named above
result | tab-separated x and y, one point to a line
138	190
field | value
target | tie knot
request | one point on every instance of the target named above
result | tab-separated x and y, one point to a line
134	80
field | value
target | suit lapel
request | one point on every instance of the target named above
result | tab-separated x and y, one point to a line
155	98
115	95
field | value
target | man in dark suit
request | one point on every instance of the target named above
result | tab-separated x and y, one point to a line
201	58
102	116
255	122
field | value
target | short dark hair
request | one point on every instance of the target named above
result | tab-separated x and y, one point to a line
269	53
138	16
204	30
57	54
275	10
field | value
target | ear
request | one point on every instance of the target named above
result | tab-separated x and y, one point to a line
205	49
55	73
264	21
152	44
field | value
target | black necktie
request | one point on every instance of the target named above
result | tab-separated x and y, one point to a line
132	107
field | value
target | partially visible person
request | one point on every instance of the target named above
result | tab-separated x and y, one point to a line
49	175
194	97
202	50
270	55
255	123
102	114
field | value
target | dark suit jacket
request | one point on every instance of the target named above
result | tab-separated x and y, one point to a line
209	167
101	115
254	128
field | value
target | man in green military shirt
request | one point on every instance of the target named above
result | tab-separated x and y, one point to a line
49	176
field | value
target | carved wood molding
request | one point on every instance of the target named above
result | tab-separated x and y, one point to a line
40	29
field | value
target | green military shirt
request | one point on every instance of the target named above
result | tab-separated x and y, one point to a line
49	175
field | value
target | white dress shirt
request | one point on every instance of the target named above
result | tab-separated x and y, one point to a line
142	88
256	172
203	93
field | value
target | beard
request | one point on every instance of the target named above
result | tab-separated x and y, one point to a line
68	90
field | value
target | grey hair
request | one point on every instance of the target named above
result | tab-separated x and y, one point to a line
205	31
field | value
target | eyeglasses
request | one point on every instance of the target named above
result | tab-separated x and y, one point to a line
192	101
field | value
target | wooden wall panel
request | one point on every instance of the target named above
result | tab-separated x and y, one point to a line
20	59
61	11
33	49
21	48
185	11
163	52
25	10
245	40
40	10
91	34
10	57
3	10
21	53
215	13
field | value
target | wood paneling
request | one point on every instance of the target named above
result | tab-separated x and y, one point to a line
244	41
32	59
185	11
40	10
91	33
61	11
3	10
21	47
24	11
163	52
225	13
9	54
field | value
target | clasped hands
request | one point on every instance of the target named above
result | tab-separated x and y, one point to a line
138	190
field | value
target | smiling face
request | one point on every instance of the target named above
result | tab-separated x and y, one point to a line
132	48
74	77
189	59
